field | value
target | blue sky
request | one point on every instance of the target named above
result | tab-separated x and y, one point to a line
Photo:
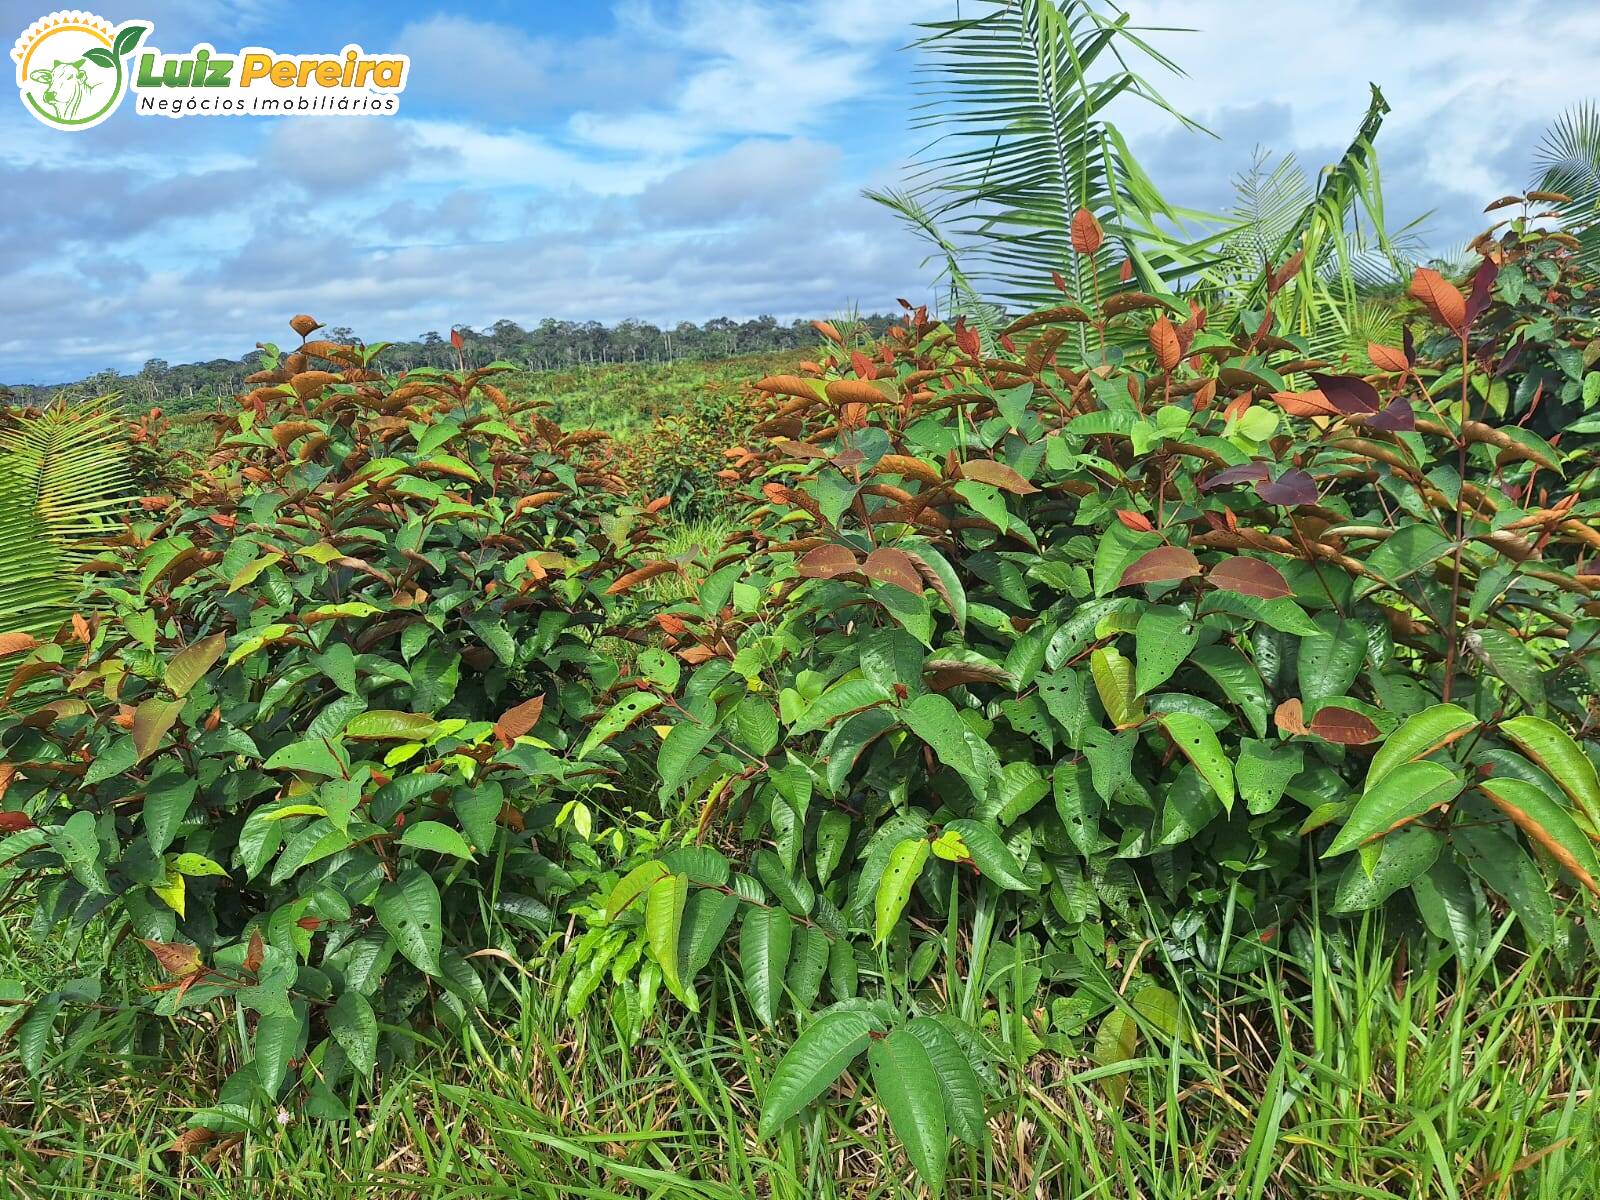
667	160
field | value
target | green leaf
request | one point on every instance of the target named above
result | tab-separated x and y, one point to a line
1199	744
355	1028
437	837
1162	640
935	720
705	923
1398	861
990	854
847	696
1330	659
764	942
388	725
617	718
1402	796
409	909
1113	679
1508	870
822	1052
151	722
1419	736
794	892
633	885
958	1082
894	889
1263	773
166	800
1547	825
189	666
1115	1042
908	1087
664	903
1239	680
680	752
1512	661
1562	759
278	1036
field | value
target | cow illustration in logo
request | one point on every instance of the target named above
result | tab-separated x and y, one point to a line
70	67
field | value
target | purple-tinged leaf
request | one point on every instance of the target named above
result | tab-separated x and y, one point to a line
1482	288
1289	489
1248	473
1348	393
1399	417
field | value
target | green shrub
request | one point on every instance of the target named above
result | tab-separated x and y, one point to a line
330	719
1025	668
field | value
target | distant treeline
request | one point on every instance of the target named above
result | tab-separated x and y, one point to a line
550	345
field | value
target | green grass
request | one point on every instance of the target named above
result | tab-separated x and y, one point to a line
1352	1075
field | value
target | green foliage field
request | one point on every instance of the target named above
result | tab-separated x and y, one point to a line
1135	736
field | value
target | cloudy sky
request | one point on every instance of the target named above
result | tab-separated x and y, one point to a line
669	159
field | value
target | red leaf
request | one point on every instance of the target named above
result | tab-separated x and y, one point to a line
1126	274
1399	417
1060	282
893	567
1087	236
827	561
1164	564
1290	717
1305	404
1250	577
15	822
1387	358
517	722
456	339
1440	297
862	365
967	339
1164	341
1137	522
1343	726
17	643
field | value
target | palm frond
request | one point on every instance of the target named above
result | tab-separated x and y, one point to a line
1020	98
64	484
1568	161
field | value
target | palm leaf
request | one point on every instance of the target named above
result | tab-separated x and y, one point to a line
1568	161
1019	100
64	485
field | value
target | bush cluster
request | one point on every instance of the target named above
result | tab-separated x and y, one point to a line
1048	658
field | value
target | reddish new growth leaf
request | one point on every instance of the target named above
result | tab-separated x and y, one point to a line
862	365
1087	236
1305	404
519	721
1250	577
1387	358
1399	417
175	958
15	822
1440	297
985	470
1232	476
1164	341
17	643
1343	726
893	567
1125	275
967	339
1060	282
1137	522
456	339
643	575
1164	564
1290	718
828	330
827	561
